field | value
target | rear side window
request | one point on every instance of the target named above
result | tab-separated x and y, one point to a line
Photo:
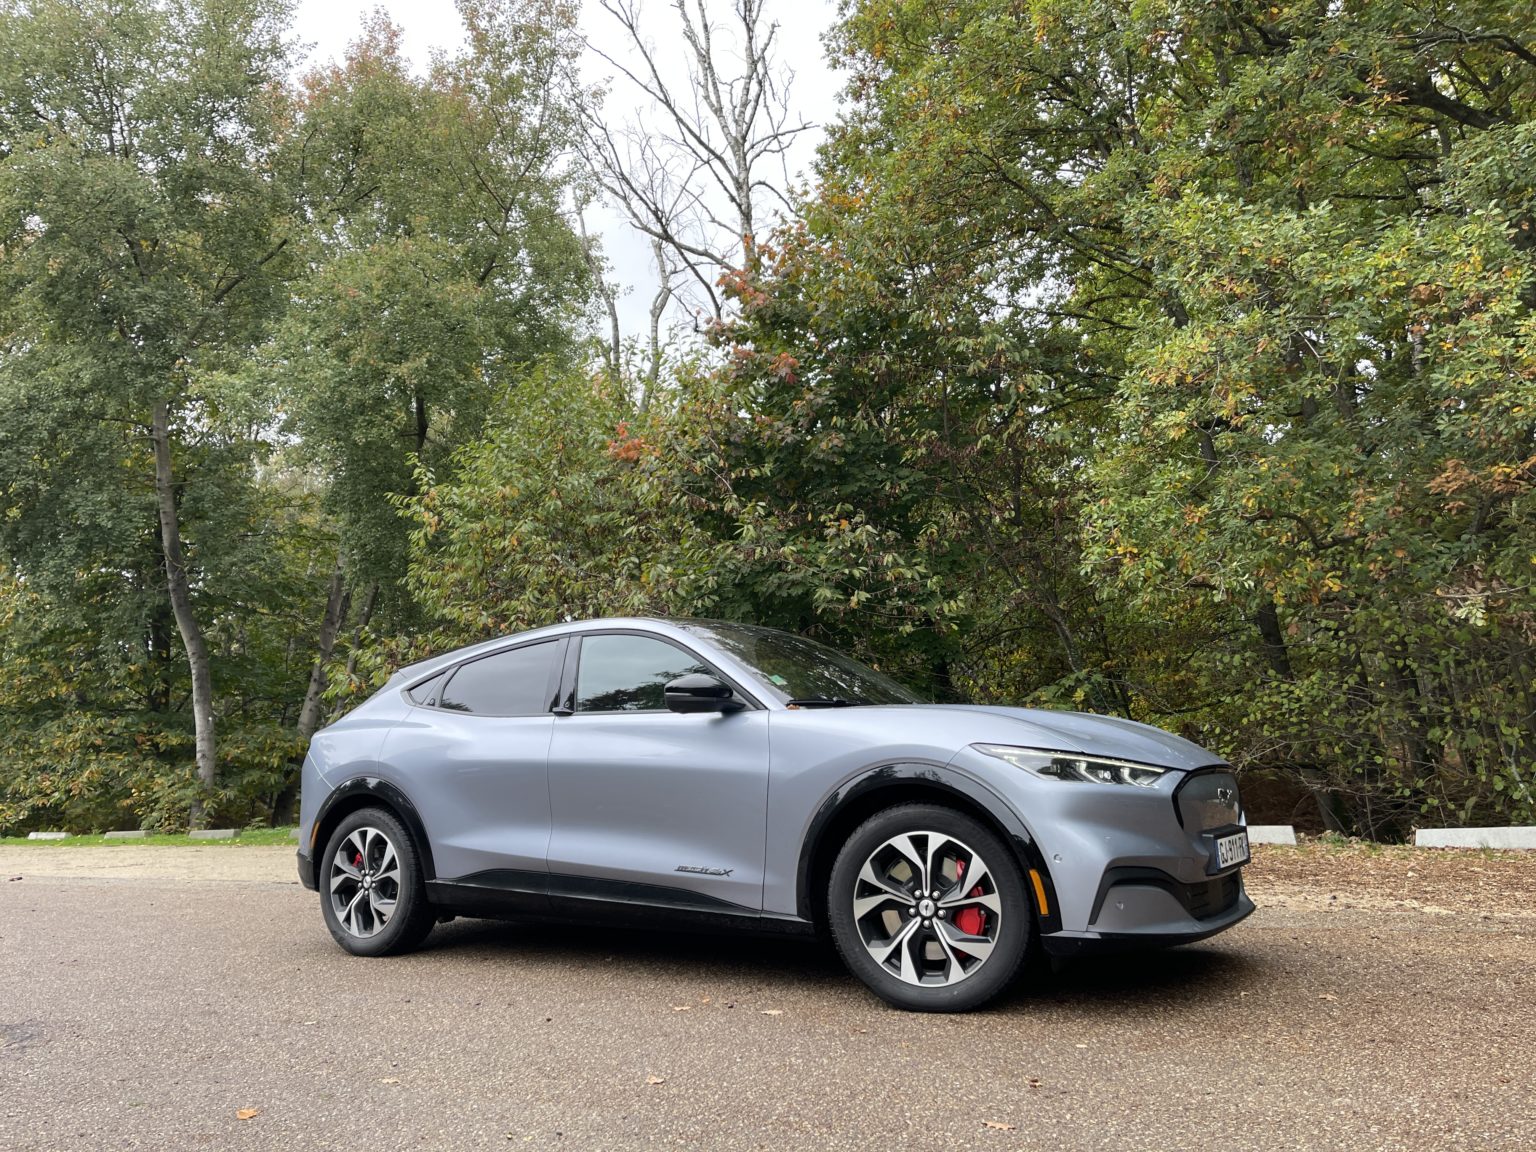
628	673
510	683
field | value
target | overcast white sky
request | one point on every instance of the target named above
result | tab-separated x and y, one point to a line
328	25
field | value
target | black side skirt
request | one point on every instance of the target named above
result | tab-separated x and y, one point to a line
514	895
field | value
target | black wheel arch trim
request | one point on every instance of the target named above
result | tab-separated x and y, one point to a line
377	789
941	778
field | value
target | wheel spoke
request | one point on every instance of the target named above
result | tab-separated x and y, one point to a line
978	946
867	876
988	900
344	866
975	873
904	845
382	909
388	862
956	970
349	917
341	876
882	950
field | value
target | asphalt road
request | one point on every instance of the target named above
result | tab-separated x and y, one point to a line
147	1012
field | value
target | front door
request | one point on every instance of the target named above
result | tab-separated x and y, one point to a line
651	806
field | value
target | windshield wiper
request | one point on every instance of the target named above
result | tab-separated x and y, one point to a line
820	702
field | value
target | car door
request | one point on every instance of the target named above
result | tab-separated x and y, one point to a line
475	751
650	806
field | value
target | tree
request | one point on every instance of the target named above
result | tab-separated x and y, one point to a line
148	223
1206	257
699	178
449	265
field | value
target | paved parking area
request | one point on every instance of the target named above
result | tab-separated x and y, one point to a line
141	1010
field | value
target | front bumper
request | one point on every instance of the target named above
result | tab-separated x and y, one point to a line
1147	908
307	872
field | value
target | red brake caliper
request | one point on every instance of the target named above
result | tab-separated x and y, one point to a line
971	920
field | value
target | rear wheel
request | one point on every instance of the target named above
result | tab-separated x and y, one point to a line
371	890
928	908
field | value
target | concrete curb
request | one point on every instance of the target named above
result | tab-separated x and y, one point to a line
1271	834
47	835
213	833
140	835
1518	838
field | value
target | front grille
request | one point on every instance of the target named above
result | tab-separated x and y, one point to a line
1213	898
1209	799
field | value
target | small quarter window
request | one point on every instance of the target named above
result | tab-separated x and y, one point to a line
426	691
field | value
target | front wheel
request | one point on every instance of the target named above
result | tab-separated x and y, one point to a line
372	894
928	908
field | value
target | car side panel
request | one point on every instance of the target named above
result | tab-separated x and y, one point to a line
481	784
663	801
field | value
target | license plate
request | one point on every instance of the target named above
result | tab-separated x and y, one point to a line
1232	850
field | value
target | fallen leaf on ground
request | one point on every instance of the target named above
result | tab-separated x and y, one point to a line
1034	1081
247	1113
655	1079
390	1080
1327	996
999	1125
682	1007
773	1011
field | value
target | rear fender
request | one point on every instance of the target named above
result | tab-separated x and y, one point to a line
367	791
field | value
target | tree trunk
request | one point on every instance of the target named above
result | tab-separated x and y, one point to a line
181	607
330	624
336	605
362	623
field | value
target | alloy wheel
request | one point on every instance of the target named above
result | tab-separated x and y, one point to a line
365	882
927	908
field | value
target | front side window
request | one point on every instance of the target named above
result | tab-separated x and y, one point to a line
629	673
510	683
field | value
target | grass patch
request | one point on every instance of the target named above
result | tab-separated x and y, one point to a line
247	837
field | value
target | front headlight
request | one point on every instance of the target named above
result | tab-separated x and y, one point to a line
1070	766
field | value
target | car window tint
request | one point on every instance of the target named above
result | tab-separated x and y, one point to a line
511	683
628	673
426	691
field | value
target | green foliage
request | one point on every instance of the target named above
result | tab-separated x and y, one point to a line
1254	286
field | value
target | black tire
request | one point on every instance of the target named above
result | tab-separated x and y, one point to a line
914	974
361	926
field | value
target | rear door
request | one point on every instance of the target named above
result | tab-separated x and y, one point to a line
475	749
651	806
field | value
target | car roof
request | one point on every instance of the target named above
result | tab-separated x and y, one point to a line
663	625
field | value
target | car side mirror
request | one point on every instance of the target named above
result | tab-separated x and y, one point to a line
697	692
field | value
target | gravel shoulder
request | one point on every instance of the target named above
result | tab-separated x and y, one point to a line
254	864
1317	876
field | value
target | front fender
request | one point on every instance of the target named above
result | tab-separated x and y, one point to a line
858	797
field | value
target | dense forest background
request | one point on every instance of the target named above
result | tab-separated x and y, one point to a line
1171	360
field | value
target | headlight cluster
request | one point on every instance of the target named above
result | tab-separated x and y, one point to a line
1067	766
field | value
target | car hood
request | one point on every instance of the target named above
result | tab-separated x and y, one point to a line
1083	732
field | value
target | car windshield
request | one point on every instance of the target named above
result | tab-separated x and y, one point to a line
799	669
